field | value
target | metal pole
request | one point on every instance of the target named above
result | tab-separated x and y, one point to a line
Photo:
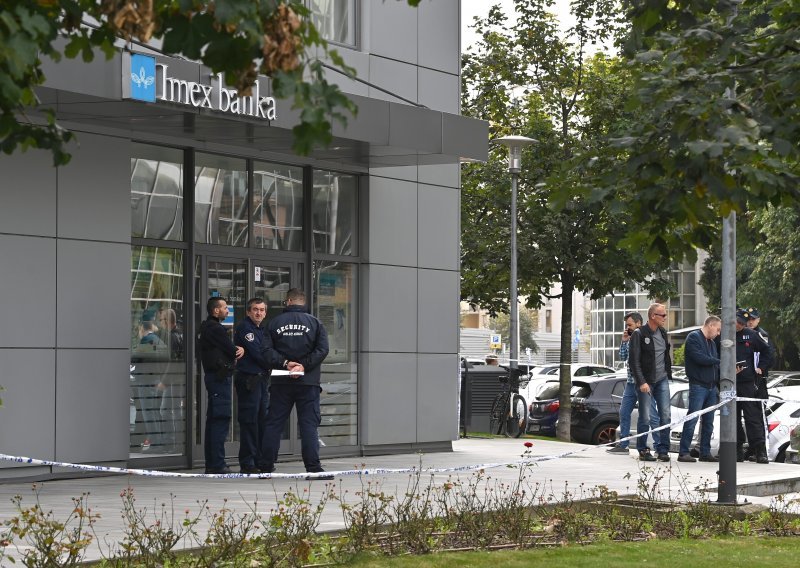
726	491
514	315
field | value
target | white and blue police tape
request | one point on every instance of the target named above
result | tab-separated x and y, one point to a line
368	470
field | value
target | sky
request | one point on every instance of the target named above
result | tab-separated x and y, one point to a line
471	8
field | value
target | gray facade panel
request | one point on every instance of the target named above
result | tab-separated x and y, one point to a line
393	31
93	308
408	173
29	193
438	227
448	175
27	419
439	90
437	396
439	37
390	323
438	311
92	408
390	398
396	77
94	193
392	222
28	282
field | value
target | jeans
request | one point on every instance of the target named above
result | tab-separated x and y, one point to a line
657	402
630	396
282	398
700	396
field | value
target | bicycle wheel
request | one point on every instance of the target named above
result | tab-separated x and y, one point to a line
517	422
498	414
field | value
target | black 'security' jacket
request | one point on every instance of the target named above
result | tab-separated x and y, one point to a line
296	336
642	356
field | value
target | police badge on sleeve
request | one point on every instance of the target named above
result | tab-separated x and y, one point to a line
249	336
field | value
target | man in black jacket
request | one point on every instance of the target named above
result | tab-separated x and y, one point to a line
651	366
218	355
295	341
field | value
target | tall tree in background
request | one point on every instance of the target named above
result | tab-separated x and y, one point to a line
534	80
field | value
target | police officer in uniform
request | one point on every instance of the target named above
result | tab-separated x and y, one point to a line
295	341
251	381
218	355
749	369
753	322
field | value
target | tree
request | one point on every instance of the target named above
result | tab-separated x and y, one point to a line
239	38
527	326
535	81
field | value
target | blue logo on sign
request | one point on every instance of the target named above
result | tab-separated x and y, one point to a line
143	78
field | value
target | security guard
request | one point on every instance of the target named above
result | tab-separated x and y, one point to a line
251	381
295	341
218	355
750	368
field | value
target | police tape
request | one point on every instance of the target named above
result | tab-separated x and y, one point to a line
529	460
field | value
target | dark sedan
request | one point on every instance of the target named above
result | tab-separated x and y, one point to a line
595	409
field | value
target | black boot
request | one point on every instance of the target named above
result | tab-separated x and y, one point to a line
739	453
750	454
761	454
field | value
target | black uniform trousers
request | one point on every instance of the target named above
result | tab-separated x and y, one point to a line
218	419
306	399
252	403
753	416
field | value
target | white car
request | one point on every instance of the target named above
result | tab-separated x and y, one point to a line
680	406
780	424
541	375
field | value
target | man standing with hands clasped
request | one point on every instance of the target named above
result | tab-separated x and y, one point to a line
702	368
295	341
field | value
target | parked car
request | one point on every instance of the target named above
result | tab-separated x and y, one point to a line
543	411
790	379
679	406
541	375
779	424
595	408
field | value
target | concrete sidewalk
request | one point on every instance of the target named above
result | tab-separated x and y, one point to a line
580	472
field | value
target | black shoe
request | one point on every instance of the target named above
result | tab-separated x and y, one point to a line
266	469
709	458
646	457
249	470
761	456
685	458
326	477
665	457
219	471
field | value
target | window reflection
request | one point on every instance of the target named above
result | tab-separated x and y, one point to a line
335	19
334	212
156	193
334	304
220	200
277	207
158	362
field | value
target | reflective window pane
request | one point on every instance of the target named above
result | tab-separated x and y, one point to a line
334	212
158	362
335	305
156	192
277	207
220	209
335	19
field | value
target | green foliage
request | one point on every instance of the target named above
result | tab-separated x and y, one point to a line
679	355
502	323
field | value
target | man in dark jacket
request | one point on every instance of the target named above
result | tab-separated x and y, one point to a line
218	355
251	381
749	369
651	366
702	369
297	342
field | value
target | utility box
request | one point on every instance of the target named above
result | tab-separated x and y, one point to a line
479	385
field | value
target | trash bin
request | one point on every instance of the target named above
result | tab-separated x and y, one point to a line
480	384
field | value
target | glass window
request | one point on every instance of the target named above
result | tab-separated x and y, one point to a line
335	19
156	192
277	207
220	209
335	306
334	212
158	362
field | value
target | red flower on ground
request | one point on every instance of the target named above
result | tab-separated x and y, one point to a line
528	444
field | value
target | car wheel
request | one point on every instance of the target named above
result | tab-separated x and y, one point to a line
605	433
781	457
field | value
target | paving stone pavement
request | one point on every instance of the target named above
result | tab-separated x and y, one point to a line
579	473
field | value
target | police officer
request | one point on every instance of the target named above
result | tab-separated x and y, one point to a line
753	322
749	369
295	341
218	355
251	381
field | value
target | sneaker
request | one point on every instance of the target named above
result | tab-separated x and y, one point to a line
646	457
709	458
326	477
686	458
618	450
665	457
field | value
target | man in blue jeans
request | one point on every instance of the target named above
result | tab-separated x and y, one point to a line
651	366
702	369
630	395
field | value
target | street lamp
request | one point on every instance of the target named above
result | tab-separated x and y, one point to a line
515	145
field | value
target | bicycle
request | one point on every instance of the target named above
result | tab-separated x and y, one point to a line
509	413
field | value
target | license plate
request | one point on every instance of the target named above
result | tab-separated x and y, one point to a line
533	428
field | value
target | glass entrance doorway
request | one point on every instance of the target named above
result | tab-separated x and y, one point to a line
238	280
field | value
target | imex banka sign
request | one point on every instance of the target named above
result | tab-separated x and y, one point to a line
144	79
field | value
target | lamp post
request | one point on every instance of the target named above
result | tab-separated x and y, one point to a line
515	145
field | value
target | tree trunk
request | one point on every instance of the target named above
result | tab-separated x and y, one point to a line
565	358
